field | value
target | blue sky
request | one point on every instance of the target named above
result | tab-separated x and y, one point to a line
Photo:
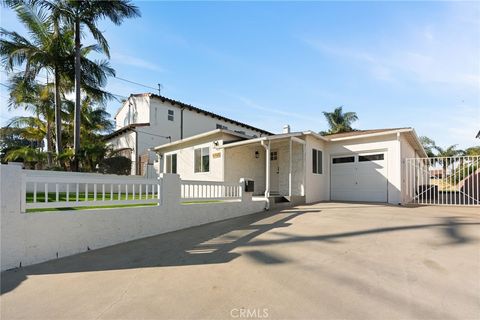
271	63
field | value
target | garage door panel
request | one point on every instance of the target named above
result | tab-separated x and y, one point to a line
364	180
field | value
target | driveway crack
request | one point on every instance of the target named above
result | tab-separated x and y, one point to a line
120	298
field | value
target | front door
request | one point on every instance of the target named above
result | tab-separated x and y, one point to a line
274	172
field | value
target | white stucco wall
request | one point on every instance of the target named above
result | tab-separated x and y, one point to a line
317	185
125	140
407	151
241	162
29	238
186	155
135	109
283	163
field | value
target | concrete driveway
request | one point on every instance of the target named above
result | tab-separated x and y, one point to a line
322	261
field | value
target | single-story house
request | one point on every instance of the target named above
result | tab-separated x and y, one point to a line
363	165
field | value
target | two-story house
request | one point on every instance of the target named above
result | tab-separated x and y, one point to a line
148	120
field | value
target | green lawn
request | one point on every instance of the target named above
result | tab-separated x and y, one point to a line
93	207
62	196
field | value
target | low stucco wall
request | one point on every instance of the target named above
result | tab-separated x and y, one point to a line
28	238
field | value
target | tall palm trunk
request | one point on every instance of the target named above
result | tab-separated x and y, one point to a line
76	133
58	113
49	143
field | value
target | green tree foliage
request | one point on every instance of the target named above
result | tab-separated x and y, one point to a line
339	121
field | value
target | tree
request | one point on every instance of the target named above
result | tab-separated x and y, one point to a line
38	99
445	155
10	139
473	151
45	50
338	121
428	145
88	12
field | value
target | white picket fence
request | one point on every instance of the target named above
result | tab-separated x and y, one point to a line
443	180
49	189
209	190
42	189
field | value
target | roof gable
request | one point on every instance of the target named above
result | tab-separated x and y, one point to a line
180	104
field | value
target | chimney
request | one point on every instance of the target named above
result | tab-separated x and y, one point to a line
286	128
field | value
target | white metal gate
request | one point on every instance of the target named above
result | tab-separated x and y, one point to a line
443	180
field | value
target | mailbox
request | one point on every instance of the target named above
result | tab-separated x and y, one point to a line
249	185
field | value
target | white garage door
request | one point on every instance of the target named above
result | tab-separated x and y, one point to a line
361	177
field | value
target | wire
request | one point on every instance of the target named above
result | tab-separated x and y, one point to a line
157	135
115	77
113	94
133	82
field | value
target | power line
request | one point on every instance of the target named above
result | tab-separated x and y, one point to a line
133	82
115	77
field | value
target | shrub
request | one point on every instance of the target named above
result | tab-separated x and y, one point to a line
116	165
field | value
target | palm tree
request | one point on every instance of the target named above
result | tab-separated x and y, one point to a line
88	12
45	50
30	156
37	99
338	121
445	155
428	145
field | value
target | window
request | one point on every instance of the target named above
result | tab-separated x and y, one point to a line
273	155
221	126
371	157
202	160
343	159
317	164
171	162
170	115
240	131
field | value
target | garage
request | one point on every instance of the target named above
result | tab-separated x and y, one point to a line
359	177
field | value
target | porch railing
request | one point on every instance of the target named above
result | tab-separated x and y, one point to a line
209	190
443	180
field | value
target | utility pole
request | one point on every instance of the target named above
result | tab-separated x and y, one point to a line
159	89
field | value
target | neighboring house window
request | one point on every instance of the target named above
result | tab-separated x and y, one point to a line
240	131
220	126
273	155
202	160
317	163
170	115
171	160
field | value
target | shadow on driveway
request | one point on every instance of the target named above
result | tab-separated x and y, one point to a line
210	244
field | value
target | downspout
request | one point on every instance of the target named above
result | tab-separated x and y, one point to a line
267	173
181	123
137	162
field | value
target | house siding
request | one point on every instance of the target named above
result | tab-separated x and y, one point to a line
317	185
240	162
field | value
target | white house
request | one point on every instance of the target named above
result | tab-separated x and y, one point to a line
363	165
147	120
